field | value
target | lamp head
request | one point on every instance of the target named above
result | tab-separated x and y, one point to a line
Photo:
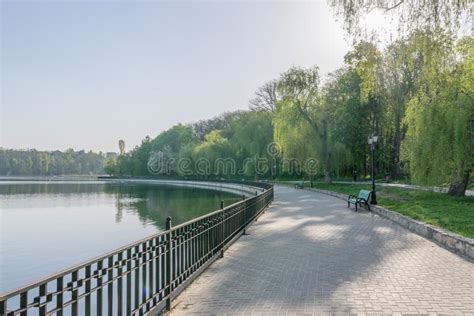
372	139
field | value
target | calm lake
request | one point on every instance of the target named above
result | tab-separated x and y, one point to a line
48	226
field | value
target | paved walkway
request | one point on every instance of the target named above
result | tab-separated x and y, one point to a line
310	255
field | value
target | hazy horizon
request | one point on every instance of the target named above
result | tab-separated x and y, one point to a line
84	75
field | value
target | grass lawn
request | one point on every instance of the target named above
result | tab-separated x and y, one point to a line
438	209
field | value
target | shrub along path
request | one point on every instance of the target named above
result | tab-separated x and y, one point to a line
310	254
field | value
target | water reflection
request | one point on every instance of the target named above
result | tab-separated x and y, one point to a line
153	206
47	226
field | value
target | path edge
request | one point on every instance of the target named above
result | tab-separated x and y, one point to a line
159	310
457	244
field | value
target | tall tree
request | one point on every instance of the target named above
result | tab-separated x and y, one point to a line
252	134
301	103
400	70
350	118
440	118
365	61
265	97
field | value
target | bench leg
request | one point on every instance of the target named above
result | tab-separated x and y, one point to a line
348	204
356	206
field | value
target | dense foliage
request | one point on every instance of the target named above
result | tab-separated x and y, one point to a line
48	163
416	95
226	146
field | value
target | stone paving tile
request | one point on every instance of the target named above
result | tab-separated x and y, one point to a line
310	255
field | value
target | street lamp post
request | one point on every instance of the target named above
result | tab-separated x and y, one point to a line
372	141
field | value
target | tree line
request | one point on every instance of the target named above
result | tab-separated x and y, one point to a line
238	139
49	163
416	95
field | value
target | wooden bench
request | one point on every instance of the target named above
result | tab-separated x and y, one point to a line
361	198
299	185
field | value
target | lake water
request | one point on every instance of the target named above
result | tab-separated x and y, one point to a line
48	226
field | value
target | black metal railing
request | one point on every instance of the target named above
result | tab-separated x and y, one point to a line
141	277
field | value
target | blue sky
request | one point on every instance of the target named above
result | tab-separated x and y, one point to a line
83	75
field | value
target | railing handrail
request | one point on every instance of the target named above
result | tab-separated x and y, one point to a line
258	183
51	277
205	215
70	269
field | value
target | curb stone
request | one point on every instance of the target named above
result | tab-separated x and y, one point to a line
455	243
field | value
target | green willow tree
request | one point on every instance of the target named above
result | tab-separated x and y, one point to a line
400	71
251	133
364	65
439	144
350	117
214	147
301	106
410	15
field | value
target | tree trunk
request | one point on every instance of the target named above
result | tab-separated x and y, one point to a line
459	184
325	149
396	147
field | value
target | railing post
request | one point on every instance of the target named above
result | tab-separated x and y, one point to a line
3	308
169	268
43	289
256	204
245	214
222	229
24	302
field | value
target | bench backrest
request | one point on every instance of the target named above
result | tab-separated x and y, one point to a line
363	194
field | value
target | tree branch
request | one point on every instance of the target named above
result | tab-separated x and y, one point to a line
394	6
308	119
